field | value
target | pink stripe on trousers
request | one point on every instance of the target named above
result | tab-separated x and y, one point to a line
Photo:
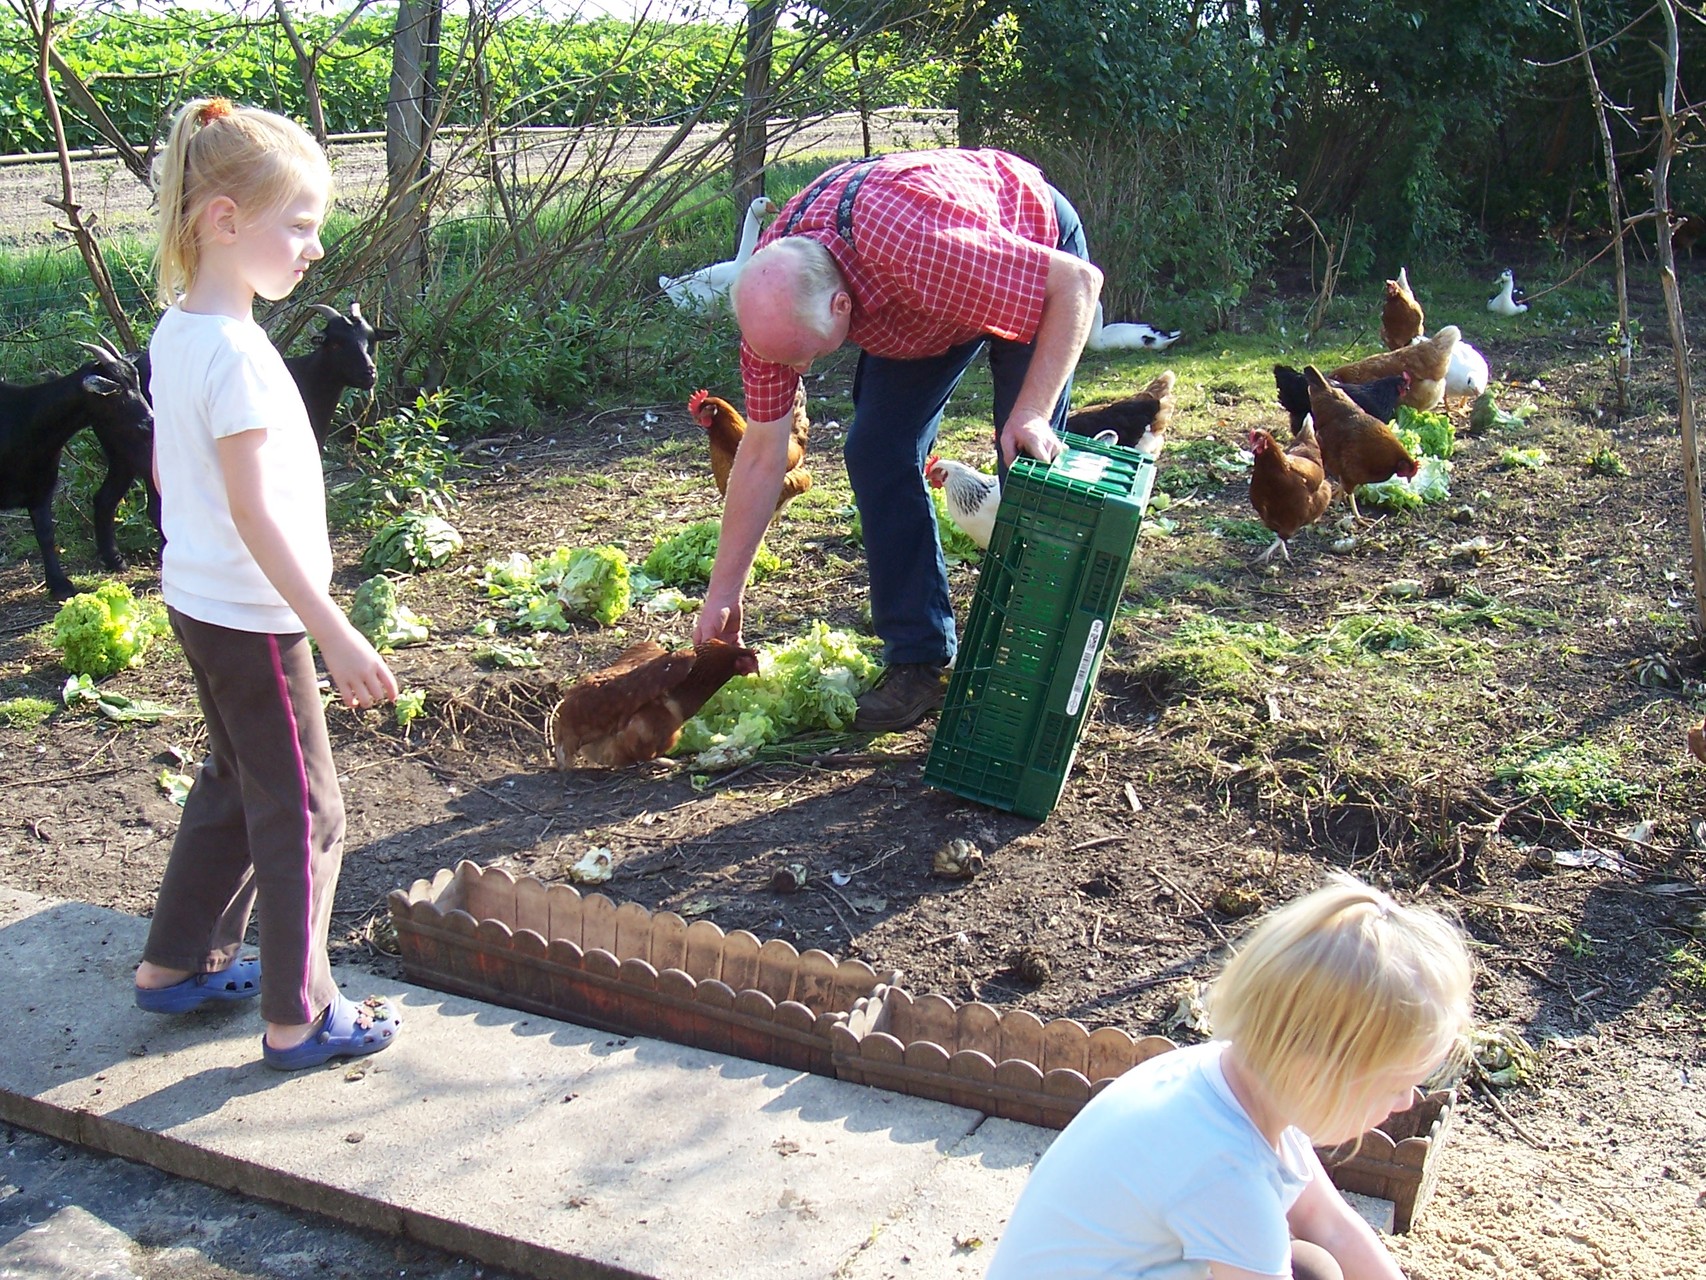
307	822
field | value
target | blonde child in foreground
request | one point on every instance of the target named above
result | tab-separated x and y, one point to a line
1200	1162
245	573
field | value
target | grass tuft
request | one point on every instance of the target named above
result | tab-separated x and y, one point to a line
1574	779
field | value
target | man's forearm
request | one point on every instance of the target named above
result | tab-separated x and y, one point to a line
1069	308
754	485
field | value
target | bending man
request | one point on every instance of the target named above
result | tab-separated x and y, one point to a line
921	260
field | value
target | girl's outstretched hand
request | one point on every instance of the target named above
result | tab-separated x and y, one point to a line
358	673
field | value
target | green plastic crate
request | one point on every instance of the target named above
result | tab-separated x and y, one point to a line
1032	648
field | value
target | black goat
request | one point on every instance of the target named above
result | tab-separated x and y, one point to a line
35	423
342	357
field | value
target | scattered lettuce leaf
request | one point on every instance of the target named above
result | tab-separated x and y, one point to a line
1532	459
812	682
545	594
1486	413
1430	484
685	559
501	655
411	542
379	615
176	786
80	691
410	706
106	630
669	600
1433	431
595	584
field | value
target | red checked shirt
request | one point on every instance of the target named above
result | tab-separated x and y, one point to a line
948	246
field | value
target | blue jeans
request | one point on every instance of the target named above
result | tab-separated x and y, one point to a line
897	410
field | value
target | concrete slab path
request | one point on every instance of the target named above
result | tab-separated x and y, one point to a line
530	1144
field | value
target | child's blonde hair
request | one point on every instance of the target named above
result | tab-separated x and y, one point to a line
1337	988
254	158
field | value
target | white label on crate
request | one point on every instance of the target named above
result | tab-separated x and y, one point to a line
1092	644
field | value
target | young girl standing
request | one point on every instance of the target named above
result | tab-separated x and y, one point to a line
1200	1161
245	573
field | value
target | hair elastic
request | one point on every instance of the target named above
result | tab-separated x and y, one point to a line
213	109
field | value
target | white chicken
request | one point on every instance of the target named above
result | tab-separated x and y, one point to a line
708	287
971	496
1466	374
1504	303
1121	335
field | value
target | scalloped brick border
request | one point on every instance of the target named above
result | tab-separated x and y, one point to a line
1012	1064
549	949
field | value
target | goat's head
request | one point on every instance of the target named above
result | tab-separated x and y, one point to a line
113	389
346	345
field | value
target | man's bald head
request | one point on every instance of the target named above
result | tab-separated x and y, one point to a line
791	302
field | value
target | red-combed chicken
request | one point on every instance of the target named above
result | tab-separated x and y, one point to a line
725	429
1288	488
971	496
1356	448
1427	363
1400	314
1139	421
634	708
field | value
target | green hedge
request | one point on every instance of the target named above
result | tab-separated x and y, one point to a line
141	66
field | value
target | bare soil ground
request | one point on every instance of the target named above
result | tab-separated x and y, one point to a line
1537	608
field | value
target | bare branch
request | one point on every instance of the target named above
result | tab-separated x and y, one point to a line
1678	325
81	230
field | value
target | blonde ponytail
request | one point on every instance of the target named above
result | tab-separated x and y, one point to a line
254	158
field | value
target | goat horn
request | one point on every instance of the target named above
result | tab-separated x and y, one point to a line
331	313
104	353
105	346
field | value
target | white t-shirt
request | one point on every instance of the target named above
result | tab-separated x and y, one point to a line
1162	1173
214	376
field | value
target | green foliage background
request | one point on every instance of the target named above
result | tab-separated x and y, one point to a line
141	66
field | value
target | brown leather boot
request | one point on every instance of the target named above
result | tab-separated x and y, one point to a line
906	693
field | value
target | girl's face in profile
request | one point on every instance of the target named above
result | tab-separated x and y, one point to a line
275	250
1379	1096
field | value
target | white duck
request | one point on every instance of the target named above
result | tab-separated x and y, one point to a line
1503	302
972	497
706	288
1109	337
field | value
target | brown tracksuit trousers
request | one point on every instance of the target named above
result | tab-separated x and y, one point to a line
262	827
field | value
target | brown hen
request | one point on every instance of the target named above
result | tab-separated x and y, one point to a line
1426	362
1138	421
1400	314
725	429
1356	447
634	708
1288	488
